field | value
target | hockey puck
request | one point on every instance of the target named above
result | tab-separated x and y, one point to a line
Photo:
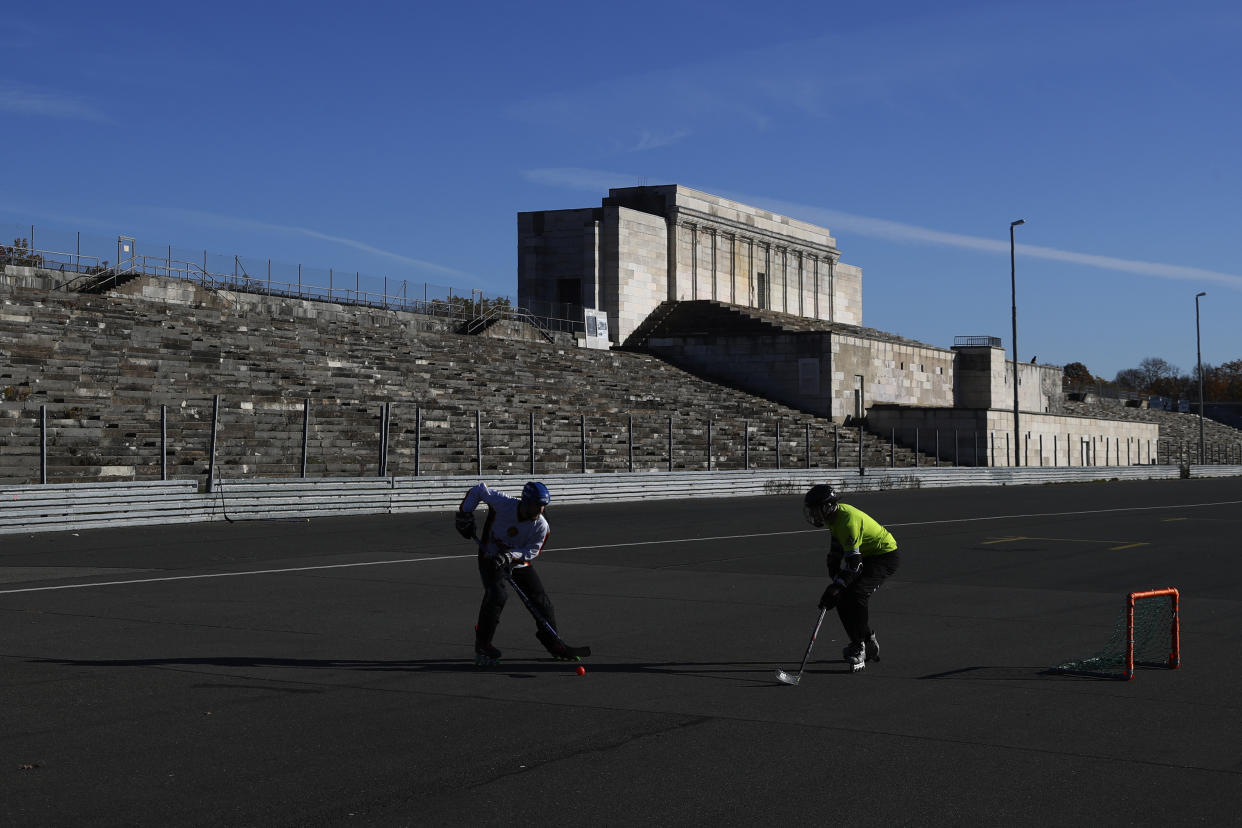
580	670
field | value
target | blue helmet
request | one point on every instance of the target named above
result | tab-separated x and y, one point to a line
536	494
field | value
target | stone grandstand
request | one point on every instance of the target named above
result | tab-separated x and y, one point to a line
119	374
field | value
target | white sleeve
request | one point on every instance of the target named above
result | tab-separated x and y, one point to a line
477	493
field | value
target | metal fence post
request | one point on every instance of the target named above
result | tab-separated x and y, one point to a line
630	441
418	436
709	443
43	445
582	428
478	440
383	441
163	442
305	431
746	445
808	445
211	457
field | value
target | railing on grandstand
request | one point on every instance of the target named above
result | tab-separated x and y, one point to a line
92	273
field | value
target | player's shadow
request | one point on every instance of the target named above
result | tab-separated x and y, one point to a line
992	673
744	672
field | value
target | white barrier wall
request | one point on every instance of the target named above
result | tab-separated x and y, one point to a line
27	509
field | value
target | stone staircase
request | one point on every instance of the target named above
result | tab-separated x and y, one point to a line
710	316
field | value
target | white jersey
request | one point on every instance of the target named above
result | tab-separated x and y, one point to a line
521	540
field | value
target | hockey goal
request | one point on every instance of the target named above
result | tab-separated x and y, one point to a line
1146	634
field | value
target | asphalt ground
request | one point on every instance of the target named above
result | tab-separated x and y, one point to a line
321	673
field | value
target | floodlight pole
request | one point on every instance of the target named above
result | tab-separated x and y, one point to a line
1013	293
1199	362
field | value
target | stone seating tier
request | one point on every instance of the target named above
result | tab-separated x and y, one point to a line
103	365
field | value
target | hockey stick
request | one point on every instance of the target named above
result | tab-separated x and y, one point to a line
784	677
543	622
536	614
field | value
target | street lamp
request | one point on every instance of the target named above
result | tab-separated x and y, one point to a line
1199	361
1013	293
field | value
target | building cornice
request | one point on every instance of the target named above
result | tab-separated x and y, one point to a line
688	217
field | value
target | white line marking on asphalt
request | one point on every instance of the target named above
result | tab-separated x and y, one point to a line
600	546
233	574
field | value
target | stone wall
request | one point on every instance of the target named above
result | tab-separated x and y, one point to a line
812	365
654	244
635	267
984	379
1048	439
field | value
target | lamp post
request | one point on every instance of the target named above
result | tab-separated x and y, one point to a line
1199	362
1013	293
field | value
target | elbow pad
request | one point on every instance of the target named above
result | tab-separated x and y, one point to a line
851	565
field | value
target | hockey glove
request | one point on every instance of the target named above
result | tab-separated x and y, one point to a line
465	524
829	599
503	563
851	565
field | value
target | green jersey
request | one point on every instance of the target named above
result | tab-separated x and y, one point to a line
854	529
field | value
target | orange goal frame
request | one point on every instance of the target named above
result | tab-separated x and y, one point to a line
1175	658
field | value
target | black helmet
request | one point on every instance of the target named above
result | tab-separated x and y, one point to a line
819	503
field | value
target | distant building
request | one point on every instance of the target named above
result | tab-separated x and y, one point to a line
646	245
763	302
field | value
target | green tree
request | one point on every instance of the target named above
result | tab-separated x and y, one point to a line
19	253
1076	372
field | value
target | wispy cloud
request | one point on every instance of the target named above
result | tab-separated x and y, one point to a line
648	140
599	181
29	102
913	234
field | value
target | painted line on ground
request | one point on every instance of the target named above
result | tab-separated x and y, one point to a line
599	546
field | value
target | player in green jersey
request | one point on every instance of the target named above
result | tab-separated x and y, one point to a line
862	554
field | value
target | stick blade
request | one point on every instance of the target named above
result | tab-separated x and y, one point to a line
785	678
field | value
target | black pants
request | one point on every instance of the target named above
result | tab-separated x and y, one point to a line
852	605
496	593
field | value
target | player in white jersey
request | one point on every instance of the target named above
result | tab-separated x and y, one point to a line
513	535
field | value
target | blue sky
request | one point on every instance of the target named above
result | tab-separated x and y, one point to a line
402	139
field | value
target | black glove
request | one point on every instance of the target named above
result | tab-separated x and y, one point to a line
464	522
503	563
829	599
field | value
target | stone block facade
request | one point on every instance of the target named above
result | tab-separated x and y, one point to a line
985	380
830	369
985	437
647	245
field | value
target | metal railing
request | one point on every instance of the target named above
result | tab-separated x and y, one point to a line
64	443
977	341
93	273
